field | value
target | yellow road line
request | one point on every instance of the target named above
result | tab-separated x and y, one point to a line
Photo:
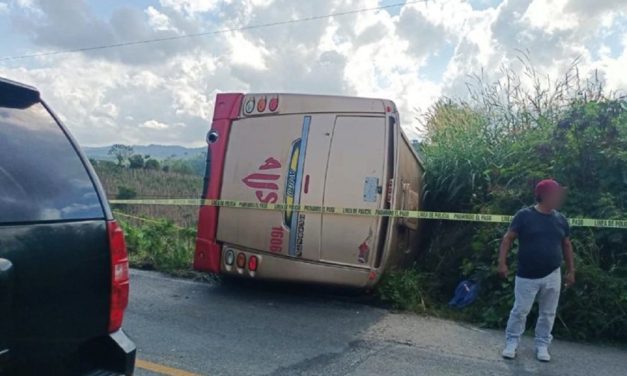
161	369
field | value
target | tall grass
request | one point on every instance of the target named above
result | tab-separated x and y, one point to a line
159	245
486	152
124	183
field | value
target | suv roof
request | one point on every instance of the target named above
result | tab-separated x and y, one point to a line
16	94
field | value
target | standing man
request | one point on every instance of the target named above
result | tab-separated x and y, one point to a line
543	237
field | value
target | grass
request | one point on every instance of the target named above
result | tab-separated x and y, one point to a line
160	245
158	237
126	183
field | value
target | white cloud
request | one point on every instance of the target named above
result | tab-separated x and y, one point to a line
589	8
424	33
191	6
541	14
158	20
25	3
4	8
154	124
245	52
614	69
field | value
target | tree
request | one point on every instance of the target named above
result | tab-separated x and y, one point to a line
121	153
198	164
136	161
152	164
180	166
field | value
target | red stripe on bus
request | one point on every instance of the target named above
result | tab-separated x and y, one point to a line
207	254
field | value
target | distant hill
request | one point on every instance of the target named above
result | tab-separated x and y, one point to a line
155	151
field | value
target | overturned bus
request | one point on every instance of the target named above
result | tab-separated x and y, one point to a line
307	150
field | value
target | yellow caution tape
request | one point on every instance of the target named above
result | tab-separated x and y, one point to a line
143	219
464	217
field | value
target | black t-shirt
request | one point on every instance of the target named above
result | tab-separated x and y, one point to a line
540	239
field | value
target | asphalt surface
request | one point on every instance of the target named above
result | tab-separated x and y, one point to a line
185	328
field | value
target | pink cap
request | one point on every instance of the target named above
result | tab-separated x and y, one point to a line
547	186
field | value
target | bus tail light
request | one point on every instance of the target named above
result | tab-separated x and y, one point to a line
119	276
253	262
261	104
241	260
274	104
229	257
249	107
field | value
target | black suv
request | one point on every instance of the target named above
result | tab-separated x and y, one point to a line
64	280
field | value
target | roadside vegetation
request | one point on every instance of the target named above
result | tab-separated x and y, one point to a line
128	182
158	237
159	245
484	155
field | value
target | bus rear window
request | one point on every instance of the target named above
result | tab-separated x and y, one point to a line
42	177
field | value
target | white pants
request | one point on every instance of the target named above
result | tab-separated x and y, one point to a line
547	292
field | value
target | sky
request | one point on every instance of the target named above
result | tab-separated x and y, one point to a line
413	53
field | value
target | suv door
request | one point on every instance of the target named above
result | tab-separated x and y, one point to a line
6	289
53	232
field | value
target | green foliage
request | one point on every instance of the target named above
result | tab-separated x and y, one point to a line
194	166
486	155
121	153
149	183
160	245
136	161
596	308
199	164
152	164
179	166
125	193
404	289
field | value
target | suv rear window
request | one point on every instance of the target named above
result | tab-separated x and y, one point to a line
42	177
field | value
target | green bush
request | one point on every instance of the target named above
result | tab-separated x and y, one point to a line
160	245
136	161
125	193
152	164
404	289
486	154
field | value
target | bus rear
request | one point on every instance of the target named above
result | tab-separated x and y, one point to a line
307	150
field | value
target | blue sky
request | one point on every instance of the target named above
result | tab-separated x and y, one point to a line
413	54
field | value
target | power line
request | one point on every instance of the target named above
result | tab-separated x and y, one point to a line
209	33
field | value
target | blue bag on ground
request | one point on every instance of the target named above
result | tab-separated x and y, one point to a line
465	293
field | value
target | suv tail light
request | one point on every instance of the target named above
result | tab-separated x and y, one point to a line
119	276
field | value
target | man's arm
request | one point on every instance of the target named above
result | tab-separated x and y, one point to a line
569	257
506	245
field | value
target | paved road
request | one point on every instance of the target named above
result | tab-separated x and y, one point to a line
186	328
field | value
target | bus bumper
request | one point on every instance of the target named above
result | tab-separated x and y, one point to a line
283	268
